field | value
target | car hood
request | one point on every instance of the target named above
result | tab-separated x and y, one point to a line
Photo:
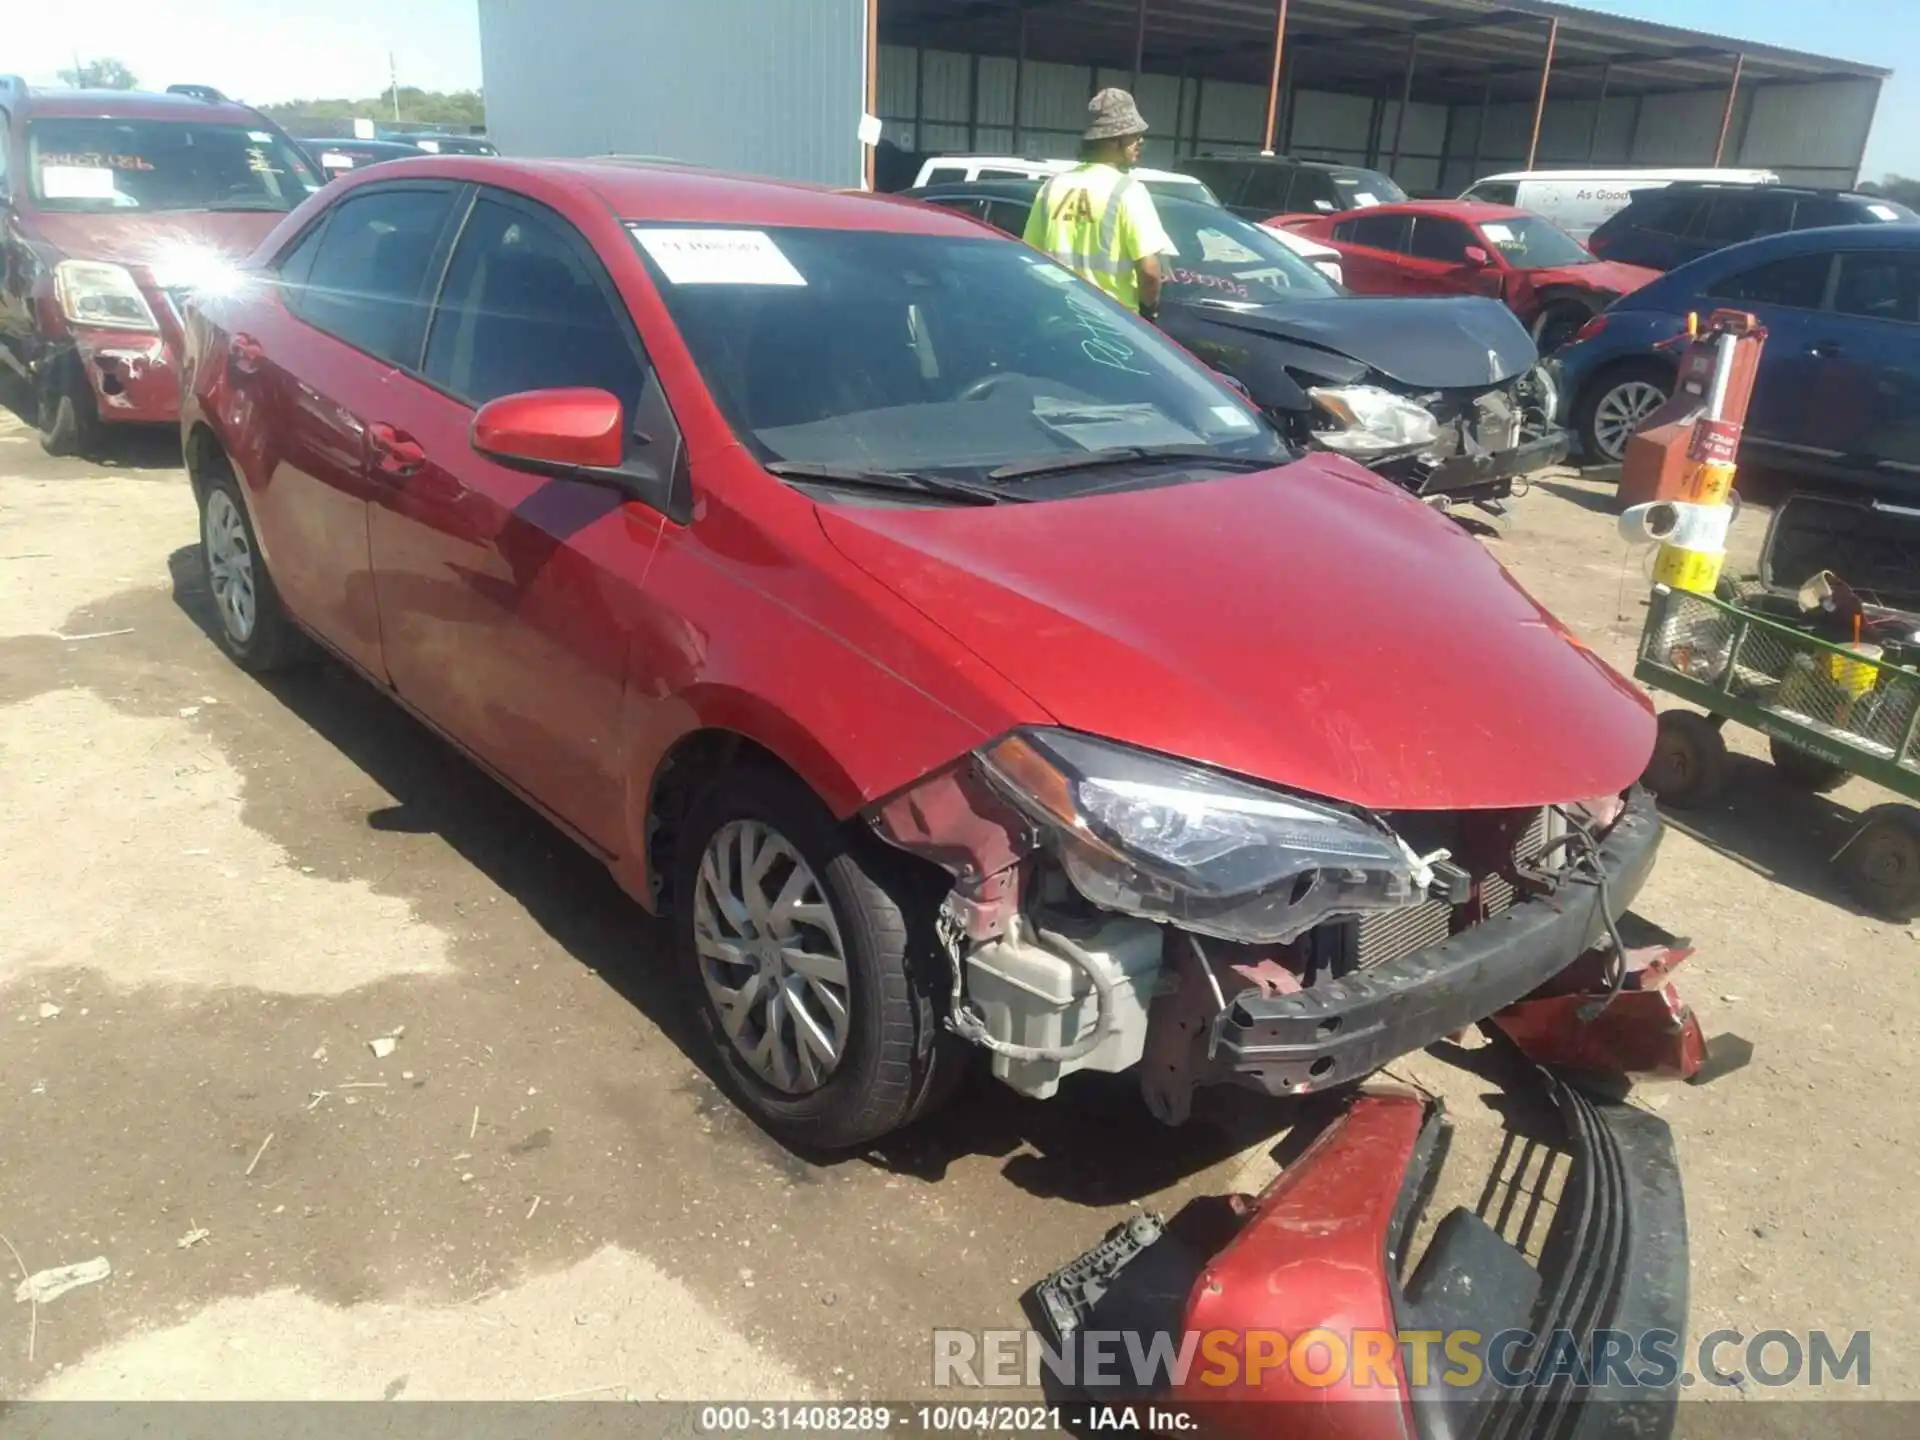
1311	626
1612	277
1426	342
153	239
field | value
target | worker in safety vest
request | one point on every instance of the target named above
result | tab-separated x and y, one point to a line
1097	219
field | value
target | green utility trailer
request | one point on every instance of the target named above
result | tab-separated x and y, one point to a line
1831	708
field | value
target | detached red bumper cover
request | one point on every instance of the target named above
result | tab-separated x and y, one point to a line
1314	1321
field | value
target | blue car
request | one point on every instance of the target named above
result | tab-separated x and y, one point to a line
1838	391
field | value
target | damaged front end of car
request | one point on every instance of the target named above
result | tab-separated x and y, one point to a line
1113	908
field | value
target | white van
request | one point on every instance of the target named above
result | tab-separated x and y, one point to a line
951	169
1579	200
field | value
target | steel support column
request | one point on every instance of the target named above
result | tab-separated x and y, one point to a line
1139	41
1540	100
1480	130
1406	99
1019	75
1273	79
868	152
1599	108
1726	115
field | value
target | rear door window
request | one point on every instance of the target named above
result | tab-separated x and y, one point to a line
1495	192
1798	282
1225	178
1879	285
1380	232
368	283
1267	188
1667	214
1732	218
524	307
1437	239
1314	190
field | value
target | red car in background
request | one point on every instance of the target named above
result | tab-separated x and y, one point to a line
120	205
1462	247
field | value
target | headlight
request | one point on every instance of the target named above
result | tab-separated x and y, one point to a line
1373	421
1546	395
93	293
1155	837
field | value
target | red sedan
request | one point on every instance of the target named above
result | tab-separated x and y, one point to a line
665	495
1463	247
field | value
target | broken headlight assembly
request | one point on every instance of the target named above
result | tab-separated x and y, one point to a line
95	293
1369	421
1165	840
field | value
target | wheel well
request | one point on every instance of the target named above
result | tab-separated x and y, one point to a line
202	453
695	762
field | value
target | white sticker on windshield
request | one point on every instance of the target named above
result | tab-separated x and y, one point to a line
718	257
334	160
1498	234
260	137
1323	205
1234	418
76	182
1883	212
1365	198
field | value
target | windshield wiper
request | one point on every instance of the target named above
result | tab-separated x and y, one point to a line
894	481
1133	455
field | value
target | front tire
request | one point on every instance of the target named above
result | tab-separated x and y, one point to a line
254	628
1557	324
1615	405
66	413
809	952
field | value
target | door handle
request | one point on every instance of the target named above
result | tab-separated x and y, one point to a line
394	451
1827	349
244	353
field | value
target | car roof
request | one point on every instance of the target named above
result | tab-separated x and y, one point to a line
1771	189
133	105
1023	190
688	195
1283	160
1472	211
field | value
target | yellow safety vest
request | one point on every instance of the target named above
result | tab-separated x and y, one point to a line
1099	222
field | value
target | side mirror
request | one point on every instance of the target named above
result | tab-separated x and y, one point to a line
1477	257
552	430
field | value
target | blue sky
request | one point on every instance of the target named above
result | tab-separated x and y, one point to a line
276	50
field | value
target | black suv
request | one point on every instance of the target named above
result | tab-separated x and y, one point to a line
1667	227
1258	187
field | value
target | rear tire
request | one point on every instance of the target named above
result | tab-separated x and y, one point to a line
1615	404
1880	865
1803	771
254	627
1689	764
66	413
855	1049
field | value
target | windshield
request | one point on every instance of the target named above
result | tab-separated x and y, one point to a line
119	165
1219	256
871	351
1361	188
1530	243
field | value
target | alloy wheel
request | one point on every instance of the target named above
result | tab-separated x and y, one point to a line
771	956
230	565
1620	412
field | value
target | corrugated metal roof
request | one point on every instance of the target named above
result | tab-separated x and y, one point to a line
1465	46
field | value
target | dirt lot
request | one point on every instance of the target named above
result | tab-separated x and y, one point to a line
218	892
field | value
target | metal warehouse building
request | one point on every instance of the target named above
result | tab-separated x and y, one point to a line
1435	92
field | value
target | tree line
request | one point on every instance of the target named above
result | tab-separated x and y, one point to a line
452	109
